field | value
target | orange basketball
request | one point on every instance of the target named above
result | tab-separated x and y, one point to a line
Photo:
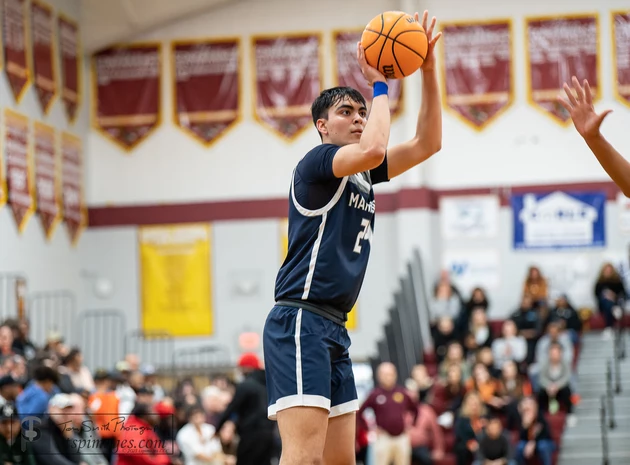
395	44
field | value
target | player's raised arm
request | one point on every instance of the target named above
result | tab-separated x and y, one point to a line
587	123
428	138
369	152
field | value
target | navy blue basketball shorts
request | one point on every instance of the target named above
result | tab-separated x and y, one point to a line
307	363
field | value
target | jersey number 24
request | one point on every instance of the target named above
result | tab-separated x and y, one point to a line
365	234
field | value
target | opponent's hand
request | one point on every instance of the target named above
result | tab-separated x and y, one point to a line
585	119
370	73
429	61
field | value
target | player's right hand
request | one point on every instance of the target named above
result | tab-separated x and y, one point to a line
370	73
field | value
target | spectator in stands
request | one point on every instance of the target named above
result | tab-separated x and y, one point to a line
126	390
197	440
86	432
33	401
568	318
478	299
21	340
554	379
484	355
444	334
104	407
554	335
390	404
448	394
150	379
6	342
535	436
426	434
454	356
445	303
10	388
214	403
445	278
479	333
494	445
424	382
55	445
529	325
12	450
513	387
248	410
610	294
535	286
73	366
468	428
483	384
139	430
511	347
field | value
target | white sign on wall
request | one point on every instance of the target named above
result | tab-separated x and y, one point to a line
574	276
471	268
469	217
623	206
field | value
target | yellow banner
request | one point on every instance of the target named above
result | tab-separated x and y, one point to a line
351	324
176	279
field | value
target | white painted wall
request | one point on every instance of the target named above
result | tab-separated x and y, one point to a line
50	265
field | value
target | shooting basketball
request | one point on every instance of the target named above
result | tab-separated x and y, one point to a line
395	43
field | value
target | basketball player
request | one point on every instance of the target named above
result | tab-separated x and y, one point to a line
587	122
311	388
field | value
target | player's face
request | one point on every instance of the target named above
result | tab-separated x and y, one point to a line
346	121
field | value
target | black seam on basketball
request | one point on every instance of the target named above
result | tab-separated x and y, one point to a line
406	46
396	59
378	62
375	40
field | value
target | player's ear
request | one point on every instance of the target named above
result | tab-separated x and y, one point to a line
322	126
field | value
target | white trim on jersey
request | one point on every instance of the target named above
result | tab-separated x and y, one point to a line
313	262
320	211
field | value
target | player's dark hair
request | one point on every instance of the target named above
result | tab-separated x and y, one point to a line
331	97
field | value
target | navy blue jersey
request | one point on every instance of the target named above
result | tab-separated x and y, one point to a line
331	222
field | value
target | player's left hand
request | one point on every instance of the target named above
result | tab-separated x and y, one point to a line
580	107
429	61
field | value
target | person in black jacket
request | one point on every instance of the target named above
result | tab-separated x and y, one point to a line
610	294
248	410
535	436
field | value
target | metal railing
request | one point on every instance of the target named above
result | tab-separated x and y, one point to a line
12	295
52	311
100	335
604	430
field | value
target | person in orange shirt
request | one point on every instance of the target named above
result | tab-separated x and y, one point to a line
103	409
486	386
535	286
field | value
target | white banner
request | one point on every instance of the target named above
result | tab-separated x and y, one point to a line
623	207
470	217
473	268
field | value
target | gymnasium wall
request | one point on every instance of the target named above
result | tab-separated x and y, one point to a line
238	183
54	264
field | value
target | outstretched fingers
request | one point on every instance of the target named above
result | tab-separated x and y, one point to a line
567	90
588	93
578	89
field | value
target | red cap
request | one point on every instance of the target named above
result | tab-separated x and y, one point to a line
249	360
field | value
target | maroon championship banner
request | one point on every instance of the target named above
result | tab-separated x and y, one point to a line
348	73
206	87
70	66
42	38
477	70
74	211
15	52
287	70
621	51
46	178
127	92
19	187
557	49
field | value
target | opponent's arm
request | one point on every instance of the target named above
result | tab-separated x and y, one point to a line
370	151
428	138
587	122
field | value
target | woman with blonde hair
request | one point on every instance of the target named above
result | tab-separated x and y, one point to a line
468	428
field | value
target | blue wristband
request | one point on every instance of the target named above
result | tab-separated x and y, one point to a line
380	88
